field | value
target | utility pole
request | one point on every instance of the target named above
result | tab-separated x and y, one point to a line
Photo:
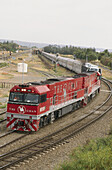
86	59
5	54
56	62
2	54
111	64
23	72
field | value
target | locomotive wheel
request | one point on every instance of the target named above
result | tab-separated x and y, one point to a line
99	90
88	99
74	106
41	123
44	121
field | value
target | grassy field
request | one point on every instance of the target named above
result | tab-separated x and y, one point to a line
106	74
3	64
105	70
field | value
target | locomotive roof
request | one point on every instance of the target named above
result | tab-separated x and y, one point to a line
54	80
50	81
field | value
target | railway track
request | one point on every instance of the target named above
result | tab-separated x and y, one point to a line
21	136
2	113
6	134
41	145
44	73
46	62
1	118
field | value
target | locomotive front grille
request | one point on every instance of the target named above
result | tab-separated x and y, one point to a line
20	123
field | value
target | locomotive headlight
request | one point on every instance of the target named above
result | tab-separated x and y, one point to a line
23	89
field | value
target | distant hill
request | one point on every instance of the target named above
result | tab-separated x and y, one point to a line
102	49
42	45
27	44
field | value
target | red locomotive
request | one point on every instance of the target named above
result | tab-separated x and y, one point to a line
36	104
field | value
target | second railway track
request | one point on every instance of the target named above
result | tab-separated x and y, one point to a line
38	146
1	118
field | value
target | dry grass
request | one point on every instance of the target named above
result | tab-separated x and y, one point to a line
67	56
5	75
4	92
107	74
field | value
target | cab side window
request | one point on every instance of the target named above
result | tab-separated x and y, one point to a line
43	98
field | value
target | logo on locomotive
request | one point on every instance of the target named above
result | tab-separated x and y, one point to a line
21	109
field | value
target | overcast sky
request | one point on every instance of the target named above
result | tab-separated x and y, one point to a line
85	23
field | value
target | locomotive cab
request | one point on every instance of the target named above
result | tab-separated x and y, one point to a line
24	106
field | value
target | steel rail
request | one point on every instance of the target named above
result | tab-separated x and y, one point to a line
6	134
3	120
45	61
3	113
13	141
44	72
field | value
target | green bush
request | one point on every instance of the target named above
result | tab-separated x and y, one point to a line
3	64
97	155
3	106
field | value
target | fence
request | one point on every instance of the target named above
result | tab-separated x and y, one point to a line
7	85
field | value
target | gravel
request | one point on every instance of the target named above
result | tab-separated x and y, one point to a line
53	158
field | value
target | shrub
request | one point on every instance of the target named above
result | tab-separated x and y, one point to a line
95	155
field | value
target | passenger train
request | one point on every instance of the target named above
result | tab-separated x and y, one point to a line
71	64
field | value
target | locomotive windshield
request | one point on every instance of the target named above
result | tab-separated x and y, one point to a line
25	98
31	98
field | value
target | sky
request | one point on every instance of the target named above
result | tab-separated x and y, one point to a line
86	23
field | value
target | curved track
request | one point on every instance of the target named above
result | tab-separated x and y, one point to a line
62	135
